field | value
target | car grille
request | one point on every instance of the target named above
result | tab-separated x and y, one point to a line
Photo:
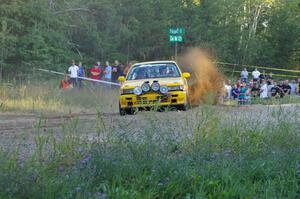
145	100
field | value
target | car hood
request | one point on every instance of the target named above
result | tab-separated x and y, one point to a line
162	81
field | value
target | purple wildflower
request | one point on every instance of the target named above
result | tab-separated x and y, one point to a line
86	160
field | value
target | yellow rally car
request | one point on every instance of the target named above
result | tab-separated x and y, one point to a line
153	84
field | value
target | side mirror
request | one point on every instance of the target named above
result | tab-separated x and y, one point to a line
121	79
186	75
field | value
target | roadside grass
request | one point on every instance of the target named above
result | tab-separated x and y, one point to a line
46	97
165	156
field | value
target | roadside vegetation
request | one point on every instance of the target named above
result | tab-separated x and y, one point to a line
204	153
42	95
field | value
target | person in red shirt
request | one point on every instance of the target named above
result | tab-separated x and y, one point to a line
95	74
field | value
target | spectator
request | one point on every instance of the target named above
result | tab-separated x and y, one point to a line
286	88
280	87
262	76
122	68
255	91
95	74
228	90
270	84
238	83
127	68
244	75
275	90
98	63
264	90
293	86
107	72
81	73
235	92
116	71
65	83
73	71
255	75
242	95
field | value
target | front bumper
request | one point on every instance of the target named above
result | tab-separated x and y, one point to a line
153	99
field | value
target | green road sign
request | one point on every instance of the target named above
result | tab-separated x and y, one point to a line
177	31
176	38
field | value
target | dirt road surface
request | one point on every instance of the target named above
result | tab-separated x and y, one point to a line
21	130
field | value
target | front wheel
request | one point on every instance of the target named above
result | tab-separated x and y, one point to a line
122	111
125	111
184	107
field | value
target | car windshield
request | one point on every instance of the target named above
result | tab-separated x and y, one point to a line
160	70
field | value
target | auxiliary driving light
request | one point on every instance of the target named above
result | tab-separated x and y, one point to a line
145	87
138	90
164	89
155	86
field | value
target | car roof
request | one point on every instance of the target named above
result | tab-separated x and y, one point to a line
156	62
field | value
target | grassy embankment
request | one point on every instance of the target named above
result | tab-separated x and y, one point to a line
44	96
206	153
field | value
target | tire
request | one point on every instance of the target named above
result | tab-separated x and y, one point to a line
125	111
121	110
183	107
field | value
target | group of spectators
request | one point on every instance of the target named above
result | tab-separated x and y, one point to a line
106	72
260	86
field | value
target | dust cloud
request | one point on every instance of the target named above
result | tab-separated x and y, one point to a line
206	82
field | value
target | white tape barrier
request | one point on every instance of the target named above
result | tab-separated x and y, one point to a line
83	78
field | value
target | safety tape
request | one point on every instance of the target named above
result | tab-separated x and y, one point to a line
262	67
83	78
276	75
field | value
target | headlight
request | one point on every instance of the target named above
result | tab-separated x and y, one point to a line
146	87
164	89
127	91
155	86
137	90
175	88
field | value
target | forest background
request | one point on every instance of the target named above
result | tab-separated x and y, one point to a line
50	33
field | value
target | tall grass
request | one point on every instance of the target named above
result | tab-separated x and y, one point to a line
43	96
200	155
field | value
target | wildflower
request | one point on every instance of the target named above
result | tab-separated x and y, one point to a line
86	160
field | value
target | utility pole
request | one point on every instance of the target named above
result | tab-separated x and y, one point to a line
176	51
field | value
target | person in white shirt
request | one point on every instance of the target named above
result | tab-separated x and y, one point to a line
228	90
244	75
73	71
255	75
293	86
264	90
